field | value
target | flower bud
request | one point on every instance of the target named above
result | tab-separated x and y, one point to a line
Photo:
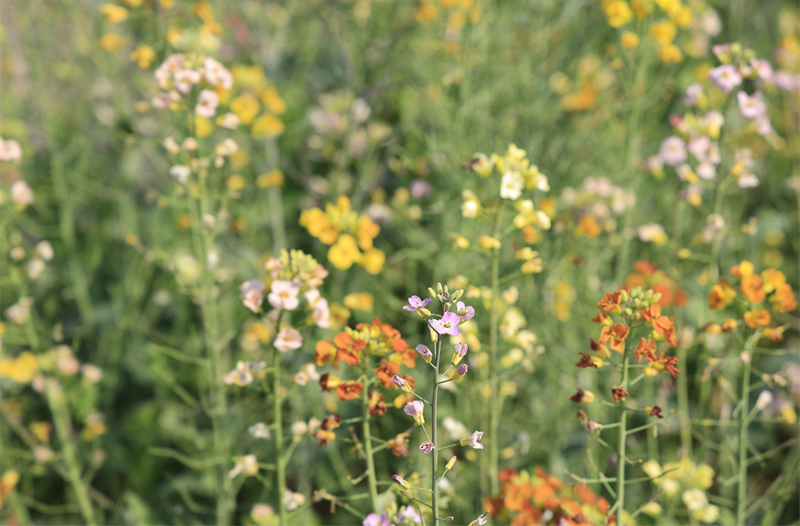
450	463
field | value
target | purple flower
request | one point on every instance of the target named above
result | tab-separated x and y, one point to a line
470	312
416	303
473	439
401	383
461	370
725	77
420	189
373	519
409	513
426	353
693	94
448	324
426	447
460	351
414	409
397	479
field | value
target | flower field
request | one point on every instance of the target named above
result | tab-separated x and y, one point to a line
396	262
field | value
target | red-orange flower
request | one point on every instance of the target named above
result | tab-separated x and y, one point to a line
615	335
588	360
722	295
328	381
349	390
619	393
647	347
326	352
385	372
376	404
664	329
611	303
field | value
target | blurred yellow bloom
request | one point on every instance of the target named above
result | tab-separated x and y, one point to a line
41	430
641	8
273	178
425	13
273	101
373	261
143	55
246	107
359	301
111	42
629	40
21	369
670	54
488	242
203	10
459	241
267	125
669	6
344	252
132	3
174	35
167	4
664	32
236	182
204	126
618	12
113	13
683	17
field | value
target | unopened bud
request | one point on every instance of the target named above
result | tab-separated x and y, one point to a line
624	295
432	292
439	288
457	294
450	463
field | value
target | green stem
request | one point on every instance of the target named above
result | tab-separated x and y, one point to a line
435	433
368	451
62	421
621	457
494	322
280	472
744	421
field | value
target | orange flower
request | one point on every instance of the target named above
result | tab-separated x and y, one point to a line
752	287
385	372
611	303
349	390
783	300
376	404
647	348
600	350
326	352
664	329
348	355
615	335
775	333
722	295
772	279
743	269
757	318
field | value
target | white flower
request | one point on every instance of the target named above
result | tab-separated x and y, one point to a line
240	375
283	294
511	185
21	193
246	465
293	500
216	74
259	430
207	103
185	79
10	151
673	151
180	172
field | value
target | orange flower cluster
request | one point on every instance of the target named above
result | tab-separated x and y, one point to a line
756	289
379	350
649	276
636	307
526	499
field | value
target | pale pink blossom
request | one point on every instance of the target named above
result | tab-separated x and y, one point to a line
216	74
207	103
283	294
21	193
751	106
252	294
673	151
725	77
10	151
185	79
288	339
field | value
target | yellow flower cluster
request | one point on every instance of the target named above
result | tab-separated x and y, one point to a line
619	12
458	13
21	369
259	105
690	480
350	235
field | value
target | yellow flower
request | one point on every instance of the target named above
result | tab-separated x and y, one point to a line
203	10
132	3
236	182
683	17
21	369
174	35
344	252
373	261
114	14
459	241
367	230
143	55
641	8
246	107
425	13
664	32
618	13
670	53
669	6
267	125
359	301
488	242
273	178
273	101
629	40
111	42
204	126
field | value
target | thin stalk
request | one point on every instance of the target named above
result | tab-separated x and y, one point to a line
280	473
61	419
494	322
368	451
744	421
435	433
623	435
